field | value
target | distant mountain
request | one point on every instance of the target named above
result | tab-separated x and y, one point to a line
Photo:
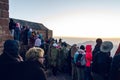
88	43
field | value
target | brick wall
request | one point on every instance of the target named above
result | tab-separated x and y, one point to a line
4	22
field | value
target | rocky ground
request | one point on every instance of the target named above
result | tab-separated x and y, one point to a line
59	76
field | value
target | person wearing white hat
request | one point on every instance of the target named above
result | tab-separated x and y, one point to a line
103	61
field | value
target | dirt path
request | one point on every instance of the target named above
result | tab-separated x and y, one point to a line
60	76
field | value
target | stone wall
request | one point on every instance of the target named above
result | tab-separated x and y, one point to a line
4	22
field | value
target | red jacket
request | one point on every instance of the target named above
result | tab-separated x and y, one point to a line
88	55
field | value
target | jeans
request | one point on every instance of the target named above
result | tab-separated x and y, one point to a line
88	75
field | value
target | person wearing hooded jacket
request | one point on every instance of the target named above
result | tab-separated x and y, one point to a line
9	60
88	57
10	52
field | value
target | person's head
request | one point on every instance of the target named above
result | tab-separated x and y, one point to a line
82	47
60	40
74	45
34	54
11	48
11	20
106	46
99	41
17	24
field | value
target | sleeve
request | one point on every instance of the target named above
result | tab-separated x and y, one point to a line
114	68
75	56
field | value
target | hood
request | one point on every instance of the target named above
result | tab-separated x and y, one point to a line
88	48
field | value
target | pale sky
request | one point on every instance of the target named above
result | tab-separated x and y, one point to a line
73	18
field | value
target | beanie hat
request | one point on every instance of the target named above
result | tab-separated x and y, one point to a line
11	47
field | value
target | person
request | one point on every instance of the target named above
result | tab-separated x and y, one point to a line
9	60
24	41
103	61
96	51
17	32
10	52
32	39
97	46
115	68
33	65
88	57
118	50
37	42
53	58
74	48
12	25
80	69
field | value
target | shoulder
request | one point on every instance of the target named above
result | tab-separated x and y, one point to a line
34	68
116	58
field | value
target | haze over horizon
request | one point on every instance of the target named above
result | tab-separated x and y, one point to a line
71	18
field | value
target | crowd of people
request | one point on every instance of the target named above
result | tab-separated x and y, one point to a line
98	65
29	56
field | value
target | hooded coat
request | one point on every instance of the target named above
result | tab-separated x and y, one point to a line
88	55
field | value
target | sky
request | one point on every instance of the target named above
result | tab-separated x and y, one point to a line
71	18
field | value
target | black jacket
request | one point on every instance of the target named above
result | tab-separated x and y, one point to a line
28	70
101	63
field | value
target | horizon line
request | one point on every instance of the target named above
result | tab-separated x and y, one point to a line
86	37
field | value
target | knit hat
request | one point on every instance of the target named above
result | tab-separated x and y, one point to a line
106	46
11	47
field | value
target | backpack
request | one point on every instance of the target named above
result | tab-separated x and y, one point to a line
80	60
